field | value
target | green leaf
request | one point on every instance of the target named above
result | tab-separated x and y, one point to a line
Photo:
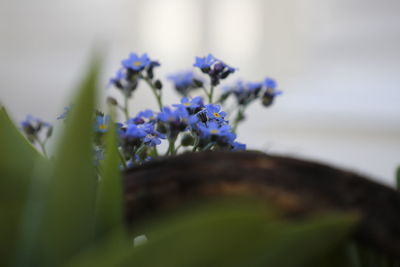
66	213
17	158
109	209
398	178
229	234
242	237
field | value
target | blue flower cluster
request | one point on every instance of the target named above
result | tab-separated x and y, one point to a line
197	123
185	82
246	92
134	69
204	125
216	69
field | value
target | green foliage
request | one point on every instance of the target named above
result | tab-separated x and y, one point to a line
58	212
17	159
109	209
398	178
65	218
240	235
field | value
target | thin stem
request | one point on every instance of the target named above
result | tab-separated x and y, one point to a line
155	151
210	96
196	144
140	149
126	107
238	119
154	89
231	109
208	146
177	148
206	92
171	147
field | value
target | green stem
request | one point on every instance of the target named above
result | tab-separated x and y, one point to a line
238	119
126	107
208	146
206	92
210	96
171	147
196	144
140	149
155	151
177	148
154	90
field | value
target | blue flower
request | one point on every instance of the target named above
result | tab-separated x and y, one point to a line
118	79
185	82
32	127
194	103
136	63
270	92
182	79
133	131
213	128
101	125
152	140
152	137
270	83
148	114
175	121
247	92
64	115
253	86
236	146
215	68
205	62
136	160
214	112
173	116
143	116
34	123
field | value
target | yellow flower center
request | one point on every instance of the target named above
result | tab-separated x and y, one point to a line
103	126
137	63
186	104
214	131
216	115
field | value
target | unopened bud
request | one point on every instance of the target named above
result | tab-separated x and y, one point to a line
158	84
112	101
187	140
197	83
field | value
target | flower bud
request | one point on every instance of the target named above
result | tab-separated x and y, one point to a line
161	128
187	140
158	84
267	99
112	101
197	83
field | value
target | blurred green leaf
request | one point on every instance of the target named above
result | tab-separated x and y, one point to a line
242	237
66	218
17	158
229	234
109	208
398	178
344	256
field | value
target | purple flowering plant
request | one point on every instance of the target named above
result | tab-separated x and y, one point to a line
198	122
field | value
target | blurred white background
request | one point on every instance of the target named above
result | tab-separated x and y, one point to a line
336	60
